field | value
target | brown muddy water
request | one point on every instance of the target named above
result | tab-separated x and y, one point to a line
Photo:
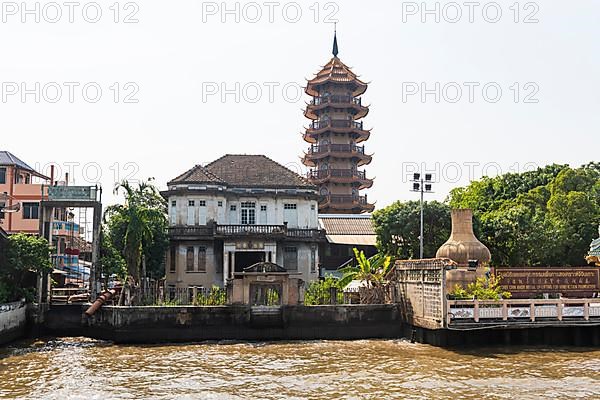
78	368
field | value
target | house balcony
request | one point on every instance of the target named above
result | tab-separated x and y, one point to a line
349	176
352	104
354	129
216	231
345	203
31	191
318	152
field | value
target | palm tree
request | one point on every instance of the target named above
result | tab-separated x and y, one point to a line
372	271
143	207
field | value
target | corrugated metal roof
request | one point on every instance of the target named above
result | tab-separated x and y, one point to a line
351	224
7	158
356	240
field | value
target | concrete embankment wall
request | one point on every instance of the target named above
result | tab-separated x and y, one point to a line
185	324
580	336
12	321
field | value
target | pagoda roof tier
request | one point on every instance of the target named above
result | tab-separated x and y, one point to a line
347	176
358	136
354	129
344	151
344	204
351	104
338	73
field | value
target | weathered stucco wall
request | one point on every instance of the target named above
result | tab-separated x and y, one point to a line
13	317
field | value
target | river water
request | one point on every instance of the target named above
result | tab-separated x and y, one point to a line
78	368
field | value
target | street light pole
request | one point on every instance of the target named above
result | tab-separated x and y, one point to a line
421	235
422	185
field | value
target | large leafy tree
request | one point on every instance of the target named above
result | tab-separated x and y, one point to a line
25	254
545	217
137	229
398	228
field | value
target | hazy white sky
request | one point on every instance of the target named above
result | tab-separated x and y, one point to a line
178	54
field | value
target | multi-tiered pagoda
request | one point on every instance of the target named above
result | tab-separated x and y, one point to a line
335	134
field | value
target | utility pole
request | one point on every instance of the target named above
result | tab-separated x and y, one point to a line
421	184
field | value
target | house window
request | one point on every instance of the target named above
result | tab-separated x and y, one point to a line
189	259
220	203
263	208
232	207
2	175
202	203
312	207
313	259
174	203
248	213
31	210
202	259
2	204
290	258
173	259
191	203
289	206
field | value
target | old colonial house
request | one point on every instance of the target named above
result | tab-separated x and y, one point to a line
235	212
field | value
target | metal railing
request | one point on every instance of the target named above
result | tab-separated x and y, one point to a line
336	123
338	148
339	99
343	199
522	310
336	173
192	296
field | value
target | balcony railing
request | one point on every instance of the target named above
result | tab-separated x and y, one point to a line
191	231
317	101
344	199
336	123
216	230
338	148
337	173
240	230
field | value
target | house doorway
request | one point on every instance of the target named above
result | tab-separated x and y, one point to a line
245	259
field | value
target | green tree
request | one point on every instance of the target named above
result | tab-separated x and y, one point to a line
545	217
25	254
372	271
111	260
137	229
398	228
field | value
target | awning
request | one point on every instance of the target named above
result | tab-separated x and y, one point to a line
357	240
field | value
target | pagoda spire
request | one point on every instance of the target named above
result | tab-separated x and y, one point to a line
335	44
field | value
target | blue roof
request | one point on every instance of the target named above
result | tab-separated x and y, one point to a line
9	159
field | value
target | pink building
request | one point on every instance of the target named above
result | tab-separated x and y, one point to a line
19	183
